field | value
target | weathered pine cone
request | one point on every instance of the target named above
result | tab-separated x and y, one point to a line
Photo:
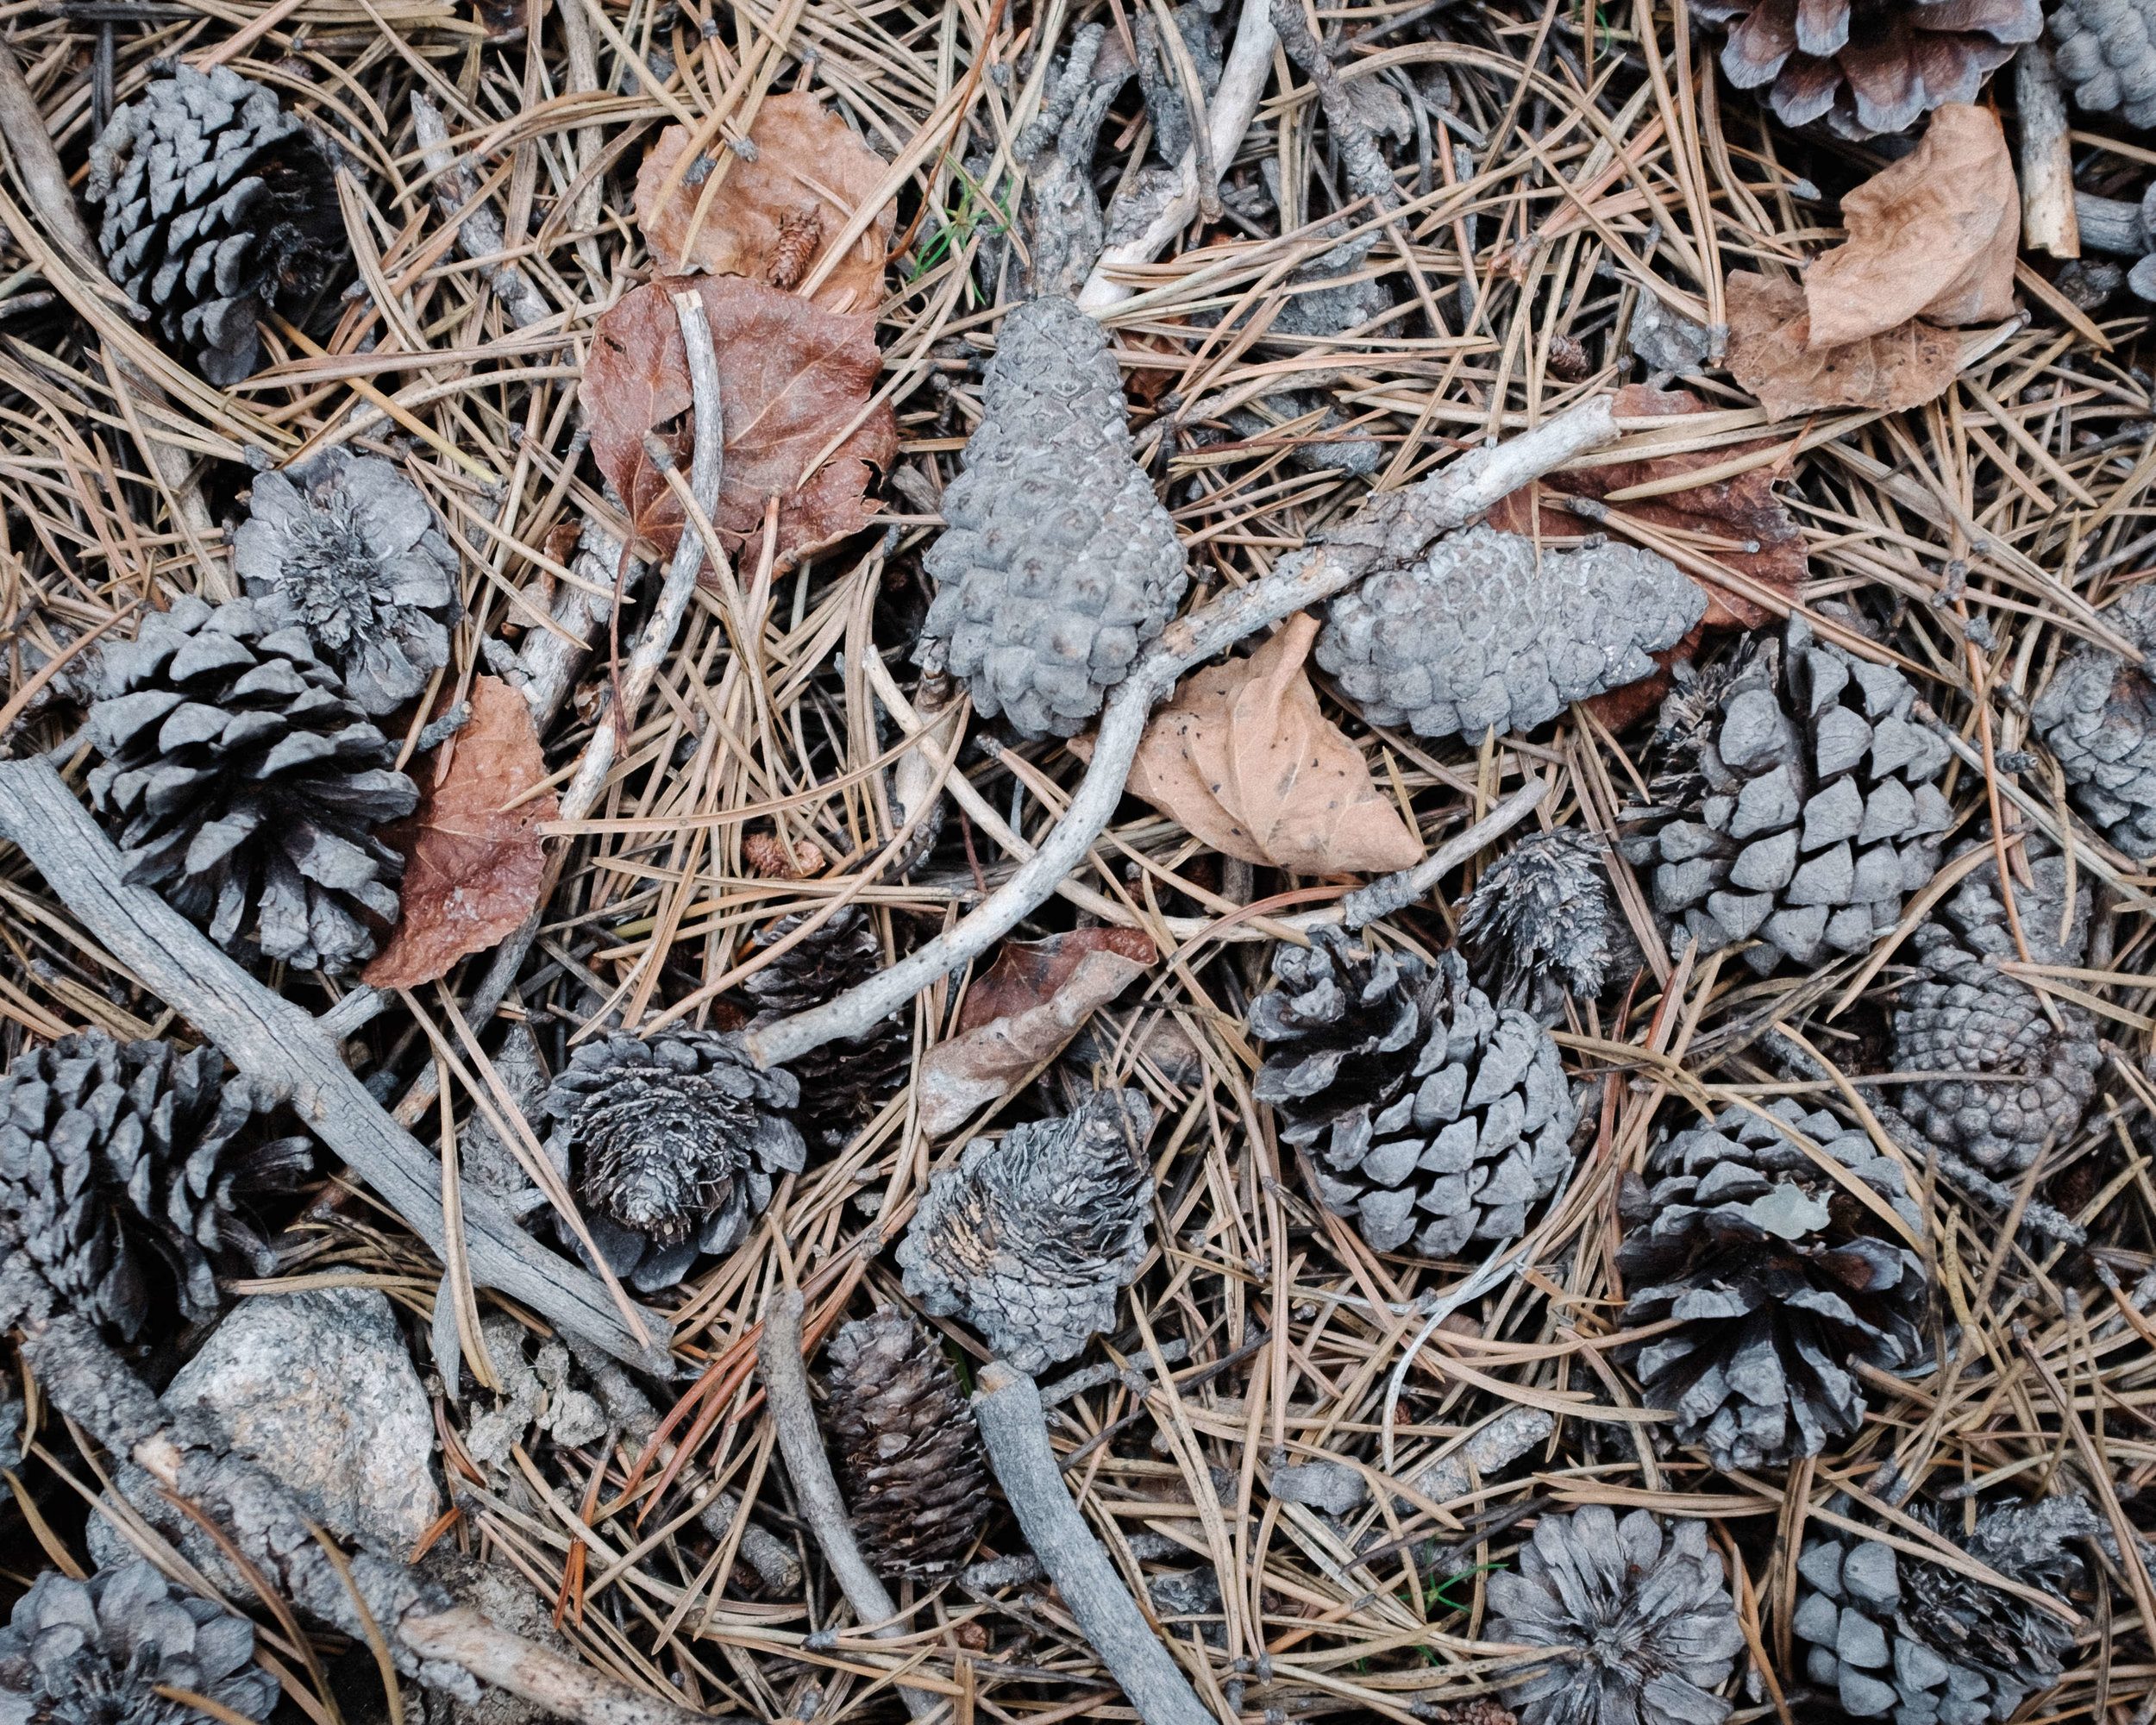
915	1480
845	1083
1641	1617
2104	50
2029	1081
1059	562
1492	632
349	544
2097	715
97	1652
673	1141
219	207
1432	1118
240	780
1886	1632
1542	923
1030	1237
1796	806
1779	1278
109	1148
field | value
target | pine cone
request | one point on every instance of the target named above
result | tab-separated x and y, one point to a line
97	1652
2104	49
350	545
1059	563
1964	1014
844	1084
1803	803
108	1147
1438	1113
218	208
1642	1619
907	1446
673	1141
239	781
1887	1630
1865	68
1490	632
1780	1277
1030	1238
2098	716
1542	923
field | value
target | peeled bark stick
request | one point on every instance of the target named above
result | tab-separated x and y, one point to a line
273	1040
479	234
1391	530
787	1394
2047	169
1014	1430
536	1674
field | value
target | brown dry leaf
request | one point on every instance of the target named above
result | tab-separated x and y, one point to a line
1020	1015
1243	758
1934	235
1771	356
791	377
771	218
474	865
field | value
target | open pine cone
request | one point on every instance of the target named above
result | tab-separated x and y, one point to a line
2098	716
107	1148
1865	68
844	1082
240	780
1779	1277
219	207
673	1141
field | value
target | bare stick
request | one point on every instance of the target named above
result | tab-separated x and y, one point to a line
461	1636
786	1392
1014	1431
479	235
1391	530
2047	183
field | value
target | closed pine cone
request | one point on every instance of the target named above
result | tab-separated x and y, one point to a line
908	1449
847	1081
2106	52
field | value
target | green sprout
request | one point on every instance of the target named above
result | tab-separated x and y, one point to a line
976	210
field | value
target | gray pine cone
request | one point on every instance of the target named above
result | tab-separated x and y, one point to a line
1542	923
1639	1618
1433	1117
1964	1014
97	1652
1799	809
1889	1633
218	208
1486	632
2104	49
239	780
1059	563
107	1148
915	1480
2097	715
351	546
1030	1238
845	1083
1781	1279
673	1141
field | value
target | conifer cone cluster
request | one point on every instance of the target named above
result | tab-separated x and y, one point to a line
1779	1278
2030	1079
673	1141
109	1151
1796	807
218	208
909	1452
1542	923
240	779
1059	563
1884	1632
2097	715
846	1081
1432	1118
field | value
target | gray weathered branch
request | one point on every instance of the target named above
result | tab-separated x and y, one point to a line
479	235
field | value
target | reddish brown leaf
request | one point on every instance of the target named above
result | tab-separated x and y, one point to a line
1027	972
1770	354
791	377
472	864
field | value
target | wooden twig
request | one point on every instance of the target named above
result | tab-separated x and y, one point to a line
479	234
569	1691
1391	530
2047	169
1014	1431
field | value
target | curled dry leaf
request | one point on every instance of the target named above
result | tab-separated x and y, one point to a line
1934	235
473	863
1017	1017
791	377
770	219
1772	355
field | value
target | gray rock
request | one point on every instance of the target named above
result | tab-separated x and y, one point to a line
319	1389
1332	1486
